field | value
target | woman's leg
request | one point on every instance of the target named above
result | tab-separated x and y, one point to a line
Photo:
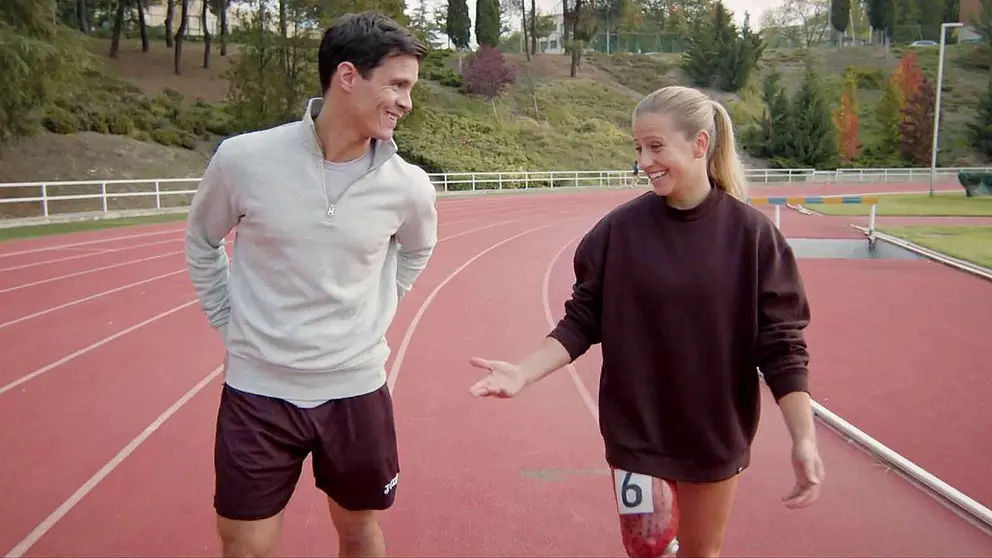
704	509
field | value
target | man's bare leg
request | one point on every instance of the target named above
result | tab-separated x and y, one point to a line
359	533
244	539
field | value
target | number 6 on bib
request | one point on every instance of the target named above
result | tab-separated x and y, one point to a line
649	514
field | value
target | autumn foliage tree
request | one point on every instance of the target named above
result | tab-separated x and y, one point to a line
916	128
908	77
846	121
486	73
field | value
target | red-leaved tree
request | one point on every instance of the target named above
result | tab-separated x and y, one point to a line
908	76
486	73
916	128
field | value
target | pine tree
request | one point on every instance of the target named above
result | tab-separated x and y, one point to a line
980	130
916	128
718	55
458	25
815	141
846	121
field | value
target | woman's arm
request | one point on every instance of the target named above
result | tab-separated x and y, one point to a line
579	328
783	316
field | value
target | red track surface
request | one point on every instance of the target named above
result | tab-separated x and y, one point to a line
91	465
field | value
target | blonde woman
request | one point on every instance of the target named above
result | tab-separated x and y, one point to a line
690	291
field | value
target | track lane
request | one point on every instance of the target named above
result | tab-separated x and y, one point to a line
76	533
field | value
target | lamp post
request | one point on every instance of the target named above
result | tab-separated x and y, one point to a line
936	111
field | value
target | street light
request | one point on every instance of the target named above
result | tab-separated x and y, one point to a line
936	112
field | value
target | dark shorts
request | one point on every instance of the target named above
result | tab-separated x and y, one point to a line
262	442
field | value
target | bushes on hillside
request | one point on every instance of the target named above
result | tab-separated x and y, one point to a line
109	106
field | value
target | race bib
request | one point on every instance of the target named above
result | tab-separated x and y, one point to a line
634	492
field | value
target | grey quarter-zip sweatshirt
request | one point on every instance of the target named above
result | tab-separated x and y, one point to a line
317	270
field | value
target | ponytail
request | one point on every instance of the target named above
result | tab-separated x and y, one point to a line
725	166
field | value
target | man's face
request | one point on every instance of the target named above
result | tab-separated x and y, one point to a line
376	104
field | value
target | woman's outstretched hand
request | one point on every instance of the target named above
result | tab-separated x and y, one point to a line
502	379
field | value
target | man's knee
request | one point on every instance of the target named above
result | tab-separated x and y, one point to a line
245	539
359	533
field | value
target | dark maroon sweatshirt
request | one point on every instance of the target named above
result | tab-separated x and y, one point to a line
687	305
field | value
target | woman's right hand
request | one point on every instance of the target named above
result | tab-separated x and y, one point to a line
503	379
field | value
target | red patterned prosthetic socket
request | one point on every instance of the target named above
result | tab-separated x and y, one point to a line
648	532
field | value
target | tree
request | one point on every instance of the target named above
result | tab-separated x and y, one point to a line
458	25
888	115
980	130
846	121
908	76
773	137
840	15
487	22
720	56
916	128
814	144
486	73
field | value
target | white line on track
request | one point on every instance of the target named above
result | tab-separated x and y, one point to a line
45	526
88	348
87	271
89	253
545	295
87	243
89	298
394	370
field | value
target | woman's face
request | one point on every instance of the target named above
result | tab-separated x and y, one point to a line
669	160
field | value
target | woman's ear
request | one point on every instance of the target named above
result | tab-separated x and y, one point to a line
701	146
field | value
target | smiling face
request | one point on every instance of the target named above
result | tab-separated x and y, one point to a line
377	103
671	160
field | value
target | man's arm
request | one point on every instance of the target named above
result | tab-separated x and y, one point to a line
417	237
212	215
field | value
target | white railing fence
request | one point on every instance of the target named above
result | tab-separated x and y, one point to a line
45	199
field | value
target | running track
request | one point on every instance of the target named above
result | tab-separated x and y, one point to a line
110	379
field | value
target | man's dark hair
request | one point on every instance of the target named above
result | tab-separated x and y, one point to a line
365	39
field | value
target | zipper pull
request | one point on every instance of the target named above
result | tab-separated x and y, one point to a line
330	211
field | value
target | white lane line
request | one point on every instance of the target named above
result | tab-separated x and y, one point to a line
87	271
45	526
88	348
89	253
86	243
89	298
545	296
394	370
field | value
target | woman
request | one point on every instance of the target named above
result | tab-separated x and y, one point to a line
689	290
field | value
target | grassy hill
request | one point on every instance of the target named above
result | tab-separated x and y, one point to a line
547	121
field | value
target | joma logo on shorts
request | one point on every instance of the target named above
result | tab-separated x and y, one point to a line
391	484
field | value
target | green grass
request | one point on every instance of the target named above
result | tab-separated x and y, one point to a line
30	231
954	204
973	244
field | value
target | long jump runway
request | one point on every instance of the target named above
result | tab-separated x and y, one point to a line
110	378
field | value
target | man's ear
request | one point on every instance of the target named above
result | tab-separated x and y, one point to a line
346	74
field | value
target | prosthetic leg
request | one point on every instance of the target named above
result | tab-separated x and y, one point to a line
649	514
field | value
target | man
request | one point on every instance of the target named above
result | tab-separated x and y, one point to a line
333	228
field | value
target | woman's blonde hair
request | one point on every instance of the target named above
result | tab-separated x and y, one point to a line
692	111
